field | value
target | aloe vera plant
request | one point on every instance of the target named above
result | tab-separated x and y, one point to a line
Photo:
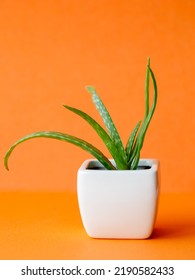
124	157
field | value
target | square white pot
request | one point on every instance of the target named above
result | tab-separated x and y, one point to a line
118	204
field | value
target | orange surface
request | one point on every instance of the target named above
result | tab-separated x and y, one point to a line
51	49
48	226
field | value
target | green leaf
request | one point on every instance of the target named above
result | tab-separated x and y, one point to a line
103	135
108	123
135	160
131	141
63	137
151	112
145	124
147	88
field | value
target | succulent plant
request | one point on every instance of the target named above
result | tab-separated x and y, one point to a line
125	158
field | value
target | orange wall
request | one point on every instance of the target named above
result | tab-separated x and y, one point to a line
51	49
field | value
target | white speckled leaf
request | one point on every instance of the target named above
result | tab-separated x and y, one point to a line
108	122
63	137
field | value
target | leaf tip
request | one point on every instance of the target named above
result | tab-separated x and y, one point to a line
6	163
65	106
148	62
90	89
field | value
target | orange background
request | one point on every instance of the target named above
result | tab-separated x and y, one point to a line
51	49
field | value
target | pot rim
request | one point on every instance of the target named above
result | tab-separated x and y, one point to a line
152	163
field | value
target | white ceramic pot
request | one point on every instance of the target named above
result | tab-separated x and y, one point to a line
119	204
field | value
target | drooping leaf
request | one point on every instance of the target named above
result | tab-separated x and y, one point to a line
108	122
103	135
63	137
